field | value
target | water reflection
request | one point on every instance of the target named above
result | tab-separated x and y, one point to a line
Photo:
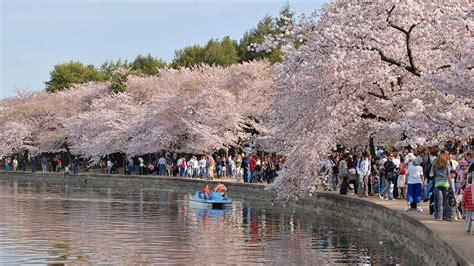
205	215
41	224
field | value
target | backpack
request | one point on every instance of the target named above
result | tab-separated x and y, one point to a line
183	164
427	168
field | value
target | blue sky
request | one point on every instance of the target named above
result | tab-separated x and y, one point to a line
36	35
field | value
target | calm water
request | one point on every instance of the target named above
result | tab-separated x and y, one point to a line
61	224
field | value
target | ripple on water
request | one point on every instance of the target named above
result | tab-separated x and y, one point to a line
48	225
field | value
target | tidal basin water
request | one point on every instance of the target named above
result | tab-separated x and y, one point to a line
43	225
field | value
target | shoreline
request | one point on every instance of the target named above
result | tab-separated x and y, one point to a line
435	242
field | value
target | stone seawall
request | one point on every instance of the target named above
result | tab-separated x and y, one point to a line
254	191
397	227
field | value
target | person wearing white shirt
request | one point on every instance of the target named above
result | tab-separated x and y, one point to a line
202	167
415	182
363	171
15	164
195	166
191	166
230	167
396	161
454	163
141	165
110	164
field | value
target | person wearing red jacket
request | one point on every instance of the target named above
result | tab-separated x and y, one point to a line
206	192
220	188
468	206
252	163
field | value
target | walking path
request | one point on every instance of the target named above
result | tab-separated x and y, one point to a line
451	232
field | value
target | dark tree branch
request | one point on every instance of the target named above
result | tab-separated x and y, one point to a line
432	120
409	51
369	115
382	91
443	67
378	95
411	67
385	58
390	11
391	24
399	81
393	61
389	59
381	95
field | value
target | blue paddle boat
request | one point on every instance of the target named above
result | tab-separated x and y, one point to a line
215	201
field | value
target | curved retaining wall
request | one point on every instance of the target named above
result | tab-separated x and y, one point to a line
254	191
395	226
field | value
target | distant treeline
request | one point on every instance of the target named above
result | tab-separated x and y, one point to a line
223	52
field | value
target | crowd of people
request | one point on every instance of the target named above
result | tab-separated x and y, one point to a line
55	164
433	175
441	177
12	164
243	168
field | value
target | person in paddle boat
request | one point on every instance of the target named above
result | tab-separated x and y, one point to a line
206	192
220	188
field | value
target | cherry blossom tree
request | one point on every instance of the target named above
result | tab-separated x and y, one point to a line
15	135
200	110
59	107
378	70
197	110
104	128
14	138
34	121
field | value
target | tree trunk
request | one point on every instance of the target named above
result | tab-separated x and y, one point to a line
372	147
68	153
25	156
123	163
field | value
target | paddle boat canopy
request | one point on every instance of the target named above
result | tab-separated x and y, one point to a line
216	200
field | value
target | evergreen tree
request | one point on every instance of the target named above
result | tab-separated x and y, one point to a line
188	56
110	67
147	65
221	53
266	26
67	74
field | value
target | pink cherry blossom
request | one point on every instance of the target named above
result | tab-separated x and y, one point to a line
377	69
